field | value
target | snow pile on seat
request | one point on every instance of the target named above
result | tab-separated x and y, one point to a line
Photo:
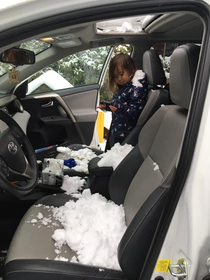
72	184
115	155
92	227
82	157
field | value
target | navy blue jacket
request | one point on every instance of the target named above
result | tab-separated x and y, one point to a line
129	101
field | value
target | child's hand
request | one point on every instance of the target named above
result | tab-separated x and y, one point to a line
112	108
101	106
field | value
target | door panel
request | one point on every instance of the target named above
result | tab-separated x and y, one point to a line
82	102
62	99
62	119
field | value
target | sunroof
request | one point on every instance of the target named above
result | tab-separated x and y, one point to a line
128	25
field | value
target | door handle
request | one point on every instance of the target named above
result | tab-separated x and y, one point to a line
49	104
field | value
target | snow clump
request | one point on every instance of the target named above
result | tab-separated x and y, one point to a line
82	157
72	184
115	155
92	227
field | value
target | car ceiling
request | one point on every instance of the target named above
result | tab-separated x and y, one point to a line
174	27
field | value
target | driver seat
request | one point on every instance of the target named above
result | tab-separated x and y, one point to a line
159	142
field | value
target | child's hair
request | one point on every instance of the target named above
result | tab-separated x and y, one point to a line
126	62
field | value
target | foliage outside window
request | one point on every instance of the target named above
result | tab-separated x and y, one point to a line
164	51
83	68
35	46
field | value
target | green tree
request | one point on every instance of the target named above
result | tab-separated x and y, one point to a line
79	69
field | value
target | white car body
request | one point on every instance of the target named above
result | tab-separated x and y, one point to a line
188	236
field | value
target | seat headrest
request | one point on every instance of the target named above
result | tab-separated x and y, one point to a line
153	67
184	62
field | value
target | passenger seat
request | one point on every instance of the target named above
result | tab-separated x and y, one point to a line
157	96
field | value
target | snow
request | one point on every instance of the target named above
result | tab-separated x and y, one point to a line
156	166
114	156
72	184
82	157
51	79
166	61
64	150
126	27
138	76
92	227
61	259
46	221
122	25
39	216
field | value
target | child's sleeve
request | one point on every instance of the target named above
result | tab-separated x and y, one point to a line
107	103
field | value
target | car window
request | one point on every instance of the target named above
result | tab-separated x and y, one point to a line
36	46
80	69
165	51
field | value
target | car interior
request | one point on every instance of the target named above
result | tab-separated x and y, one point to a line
42	118
157	96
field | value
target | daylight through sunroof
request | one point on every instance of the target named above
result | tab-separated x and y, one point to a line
122	25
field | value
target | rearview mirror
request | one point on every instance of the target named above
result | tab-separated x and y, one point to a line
18	56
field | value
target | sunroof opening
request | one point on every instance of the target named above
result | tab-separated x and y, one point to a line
128	25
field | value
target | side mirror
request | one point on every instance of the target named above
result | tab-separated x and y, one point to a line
18	56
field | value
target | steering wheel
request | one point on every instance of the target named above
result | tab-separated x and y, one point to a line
18	163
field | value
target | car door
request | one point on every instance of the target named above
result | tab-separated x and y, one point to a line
62	100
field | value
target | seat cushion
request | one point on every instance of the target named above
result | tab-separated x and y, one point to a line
26	261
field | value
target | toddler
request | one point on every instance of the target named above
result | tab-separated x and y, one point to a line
130	95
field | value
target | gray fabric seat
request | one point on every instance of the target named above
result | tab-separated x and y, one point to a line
143	198
157	95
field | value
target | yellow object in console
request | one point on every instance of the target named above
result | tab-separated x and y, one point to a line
100	126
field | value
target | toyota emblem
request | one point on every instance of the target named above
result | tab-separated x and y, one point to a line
12	147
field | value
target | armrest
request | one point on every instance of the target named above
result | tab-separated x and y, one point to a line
95	170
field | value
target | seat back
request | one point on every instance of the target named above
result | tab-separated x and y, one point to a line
158	146
157	95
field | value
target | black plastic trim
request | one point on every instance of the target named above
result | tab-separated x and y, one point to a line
75	90
51	269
